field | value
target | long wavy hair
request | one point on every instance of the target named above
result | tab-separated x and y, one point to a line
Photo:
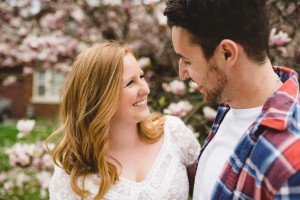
89	103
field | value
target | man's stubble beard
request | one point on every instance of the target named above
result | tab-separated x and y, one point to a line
220	81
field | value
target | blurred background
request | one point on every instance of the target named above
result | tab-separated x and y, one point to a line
39	39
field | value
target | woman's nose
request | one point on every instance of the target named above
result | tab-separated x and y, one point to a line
144	88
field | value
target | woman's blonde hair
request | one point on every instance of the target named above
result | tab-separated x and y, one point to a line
88	106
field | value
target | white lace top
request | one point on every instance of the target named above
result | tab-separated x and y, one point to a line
167	178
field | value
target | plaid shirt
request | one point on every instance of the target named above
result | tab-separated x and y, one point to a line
266	161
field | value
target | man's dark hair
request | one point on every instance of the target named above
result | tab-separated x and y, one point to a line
210	21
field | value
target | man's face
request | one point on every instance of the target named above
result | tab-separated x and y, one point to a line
212	81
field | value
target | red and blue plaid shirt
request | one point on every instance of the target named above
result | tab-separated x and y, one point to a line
265	163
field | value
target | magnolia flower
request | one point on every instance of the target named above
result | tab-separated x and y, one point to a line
25	127
150	1
209	113
64	68
27	70
44	179
78	14
8	185
2	177
22	179
279	39
158	11
178	109
23	31
47	161
283	51
9	80
193	86
20	154
177	87
144	62
166	87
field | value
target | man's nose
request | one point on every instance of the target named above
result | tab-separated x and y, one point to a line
183	73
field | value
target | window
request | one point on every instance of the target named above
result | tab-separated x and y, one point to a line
47	86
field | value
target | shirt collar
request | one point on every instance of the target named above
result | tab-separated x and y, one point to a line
278	109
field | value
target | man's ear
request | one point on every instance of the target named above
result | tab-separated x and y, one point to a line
228	51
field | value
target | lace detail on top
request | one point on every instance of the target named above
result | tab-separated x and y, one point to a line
167	178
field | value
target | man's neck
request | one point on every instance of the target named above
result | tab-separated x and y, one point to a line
253	84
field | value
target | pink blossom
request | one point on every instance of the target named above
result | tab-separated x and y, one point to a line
151	1
44	179
162	19
278	39
64	68
20	154
193	86
8	185
25	127
144	62
23	31
2	177
22	179
209	113
36	155
27	70
78	14
16	22
8	61
179	109
166	87
47	161
177	87
283	51
9	80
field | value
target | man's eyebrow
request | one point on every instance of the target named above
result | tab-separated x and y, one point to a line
181	56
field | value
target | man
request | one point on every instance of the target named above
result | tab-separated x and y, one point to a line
253	150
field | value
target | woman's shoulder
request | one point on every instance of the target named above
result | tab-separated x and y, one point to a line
60	187
175	127
183	139
173	120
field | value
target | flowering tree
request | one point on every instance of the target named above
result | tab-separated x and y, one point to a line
48	34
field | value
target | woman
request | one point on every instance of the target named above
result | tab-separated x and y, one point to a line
110	146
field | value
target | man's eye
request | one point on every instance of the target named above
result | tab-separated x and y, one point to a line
187	63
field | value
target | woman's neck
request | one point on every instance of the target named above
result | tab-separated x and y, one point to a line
124	136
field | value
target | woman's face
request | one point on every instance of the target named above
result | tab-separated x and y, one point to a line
134	92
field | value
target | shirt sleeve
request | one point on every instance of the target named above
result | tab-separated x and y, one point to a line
60	188
290	189
185	140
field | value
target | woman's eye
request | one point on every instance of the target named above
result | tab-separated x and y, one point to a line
130	83
142	76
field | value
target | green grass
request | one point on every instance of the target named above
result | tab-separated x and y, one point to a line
8	132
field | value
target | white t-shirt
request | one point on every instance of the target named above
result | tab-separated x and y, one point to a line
213	158
167	178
